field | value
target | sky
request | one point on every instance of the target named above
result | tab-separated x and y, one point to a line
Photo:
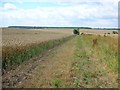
61	13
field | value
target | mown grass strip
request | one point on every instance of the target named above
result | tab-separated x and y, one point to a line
16	58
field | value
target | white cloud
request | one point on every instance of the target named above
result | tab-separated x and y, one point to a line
80	14
9	6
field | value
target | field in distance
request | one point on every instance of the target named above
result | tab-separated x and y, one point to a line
21	37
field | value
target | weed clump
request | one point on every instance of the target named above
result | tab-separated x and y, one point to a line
95	42
57	82
115	32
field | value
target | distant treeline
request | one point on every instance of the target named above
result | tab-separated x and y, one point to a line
43	27
27	27
107	28
37	27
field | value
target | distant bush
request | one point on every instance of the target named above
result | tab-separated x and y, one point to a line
76	31
115	32
82	33
105	35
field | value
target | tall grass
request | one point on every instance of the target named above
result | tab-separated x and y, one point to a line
108	50
20	54
105	49
92	62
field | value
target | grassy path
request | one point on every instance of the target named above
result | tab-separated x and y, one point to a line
44	71
74	64
55	70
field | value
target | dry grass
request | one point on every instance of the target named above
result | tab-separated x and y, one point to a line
96	66
56	68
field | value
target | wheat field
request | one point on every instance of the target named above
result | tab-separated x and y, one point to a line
19	45
21	37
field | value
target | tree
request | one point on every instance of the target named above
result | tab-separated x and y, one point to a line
76	31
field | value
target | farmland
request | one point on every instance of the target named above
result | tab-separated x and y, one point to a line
56	58
21	37
20	44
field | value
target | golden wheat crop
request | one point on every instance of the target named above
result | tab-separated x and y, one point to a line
17	39
22	44
22	37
